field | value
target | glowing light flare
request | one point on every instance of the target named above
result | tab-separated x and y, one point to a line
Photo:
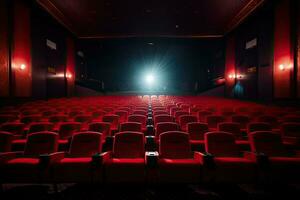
150	79
22	67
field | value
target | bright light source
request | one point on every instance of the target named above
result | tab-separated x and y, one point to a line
69	75
22	66
150	79
282	67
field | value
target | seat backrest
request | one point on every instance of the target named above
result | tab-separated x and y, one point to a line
129	144
203	114
230	127
138	118
180	113
13	127
290	129
31	118
113	119
267	142
140	112
214	120
197	130
164	127
83	118
7	118
221	144
291	118
185	119
101	127
67	129
85	144
243	120
122	114
58	118
40	126
6	139
131	126
163	118
175	145
174	110
272	120
41	143
259	126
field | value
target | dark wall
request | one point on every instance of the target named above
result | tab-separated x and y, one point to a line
254	64
48	64
28	67
179	63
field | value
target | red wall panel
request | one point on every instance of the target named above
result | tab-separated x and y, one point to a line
230	65
70	66
21	53
282	51
4	66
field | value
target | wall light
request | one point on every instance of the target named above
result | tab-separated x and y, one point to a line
283	67
22	66
69	75
231	76
240	76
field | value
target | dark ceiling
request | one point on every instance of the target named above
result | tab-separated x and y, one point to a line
170	18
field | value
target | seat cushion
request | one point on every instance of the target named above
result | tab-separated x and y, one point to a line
179	170
126	170
235	170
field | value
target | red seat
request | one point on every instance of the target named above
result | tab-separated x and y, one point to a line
140	112
203	114
282	165
258	126
6	139
78	165
214	120
17	129
231	127
27	166
123	115
131	126
177	163
114	122
164	127
126	162
185	119
229	164
142	119
163	118
291	133
40	126
4	118
101	127
243	120
180	113
196	131
270	119
31	118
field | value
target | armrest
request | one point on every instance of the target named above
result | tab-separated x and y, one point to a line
151	158
260	158
205	159
100	158
4	157
47	159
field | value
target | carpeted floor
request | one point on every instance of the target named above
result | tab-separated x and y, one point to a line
132	192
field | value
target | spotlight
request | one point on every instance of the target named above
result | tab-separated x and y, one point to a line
150	79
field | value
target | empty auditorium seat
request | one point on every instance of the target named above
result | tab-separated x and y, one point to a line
126	162
113	120
131	126
7	118
203	114
82	163
281	165
28	166
270	119
291	134
142	119
180	113
230	165
163	118
40	126
16	128
6	139
231	127
123	115
243	120
258	126
140	112
214	120
185	119
164	127
177	163
101	127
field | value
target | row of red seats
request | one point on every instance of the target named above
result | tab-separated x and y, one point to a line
129	162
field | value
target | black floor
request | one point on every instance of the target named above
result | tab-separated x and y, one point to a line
162	192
